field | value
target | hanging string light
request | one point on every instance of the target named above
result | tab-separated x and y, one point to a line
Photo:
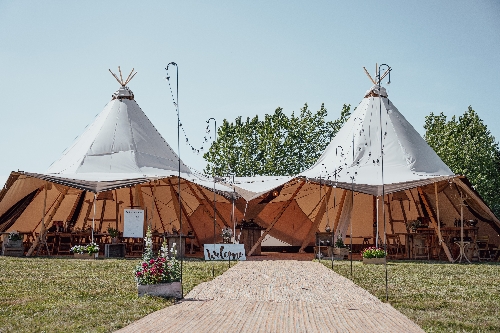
206	138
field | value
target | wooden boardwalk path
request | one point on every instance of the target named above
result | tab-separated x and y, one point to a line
277	296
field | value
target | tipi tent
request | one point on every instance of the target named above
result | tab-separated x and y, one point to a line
376	165
120	161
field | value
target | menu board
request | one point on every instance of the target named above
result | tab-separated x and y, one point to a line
133	223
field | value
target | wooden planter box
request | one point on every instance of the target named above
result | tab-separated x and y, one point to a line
166	290
374	261
85	256
341	251
13	248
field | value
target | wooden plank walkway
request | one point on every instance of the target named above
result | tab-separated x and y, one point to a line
277	296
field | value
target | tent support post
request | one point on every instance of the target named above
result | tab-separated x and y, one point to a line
159	215
216	211
481	204
153	201
254	247
183	210
415	203
433	219
339	210
451	202
405	219
117	208
317	220
40	241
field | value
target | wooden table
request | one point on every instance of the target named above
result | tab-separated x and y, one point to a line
179	239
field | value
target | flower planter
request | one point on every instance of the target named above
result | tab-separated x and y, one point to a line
13	248
341	251
86	256
374	261
166	290
14	244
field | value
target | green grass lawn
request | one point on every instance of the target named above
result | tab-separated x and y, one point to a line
440	297
68	295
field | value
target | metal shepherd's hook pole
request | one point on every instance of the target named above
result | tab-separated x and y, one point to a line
176	103
215	198
379	79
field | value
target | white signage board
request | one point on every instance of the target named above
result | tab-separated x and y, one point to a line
224	251
133	223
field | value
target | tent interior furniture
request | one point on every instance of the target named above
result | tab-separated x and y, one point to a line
421	248
65	243
394	246
483	248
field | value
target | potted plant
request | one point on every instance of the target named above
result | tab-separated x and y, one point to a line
340	248
373	255
89	251
414	225
13	246
113	233
227	233
15	239
161	275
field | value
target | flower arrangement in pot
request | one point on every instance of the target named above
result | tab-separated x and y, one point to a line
158	275
113	233
15	239
15	236
373	255
86	251
227	233
414	225
340	248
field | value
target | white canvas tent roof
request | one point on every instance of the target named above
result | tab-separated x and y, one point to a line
119	149
356	152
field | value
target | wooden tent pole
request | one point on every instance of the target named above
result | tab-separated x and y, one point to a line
103	211
117	208
181	209
175	202
288	202
153	198
451	202
415	203
433	219
216	211
42	229
405	219
155	203
317	220
437	211
339	211
477	200
391	221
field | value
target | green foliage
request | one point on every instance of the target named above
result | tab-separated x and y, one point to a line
373	252
15	236
89	249
161	269
276	145
468	148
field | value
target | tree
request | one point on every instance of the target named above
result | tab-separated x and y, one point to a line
275	145
468	148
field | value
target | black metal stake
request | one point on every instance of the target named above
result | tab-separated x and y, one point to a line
382	171
215	199
179	161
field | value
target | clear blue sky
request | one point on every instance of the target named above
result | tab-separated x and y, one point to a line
235	58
